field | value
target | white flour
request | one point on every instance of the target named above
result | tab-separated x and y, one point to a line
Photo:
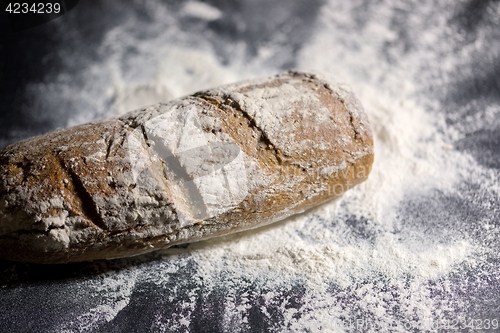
369	270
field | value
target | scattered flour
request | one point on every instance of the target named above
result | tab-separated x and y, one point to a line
116	294
346	257
201	10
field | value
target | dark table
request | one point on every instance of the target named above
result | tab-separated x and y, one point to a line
86	64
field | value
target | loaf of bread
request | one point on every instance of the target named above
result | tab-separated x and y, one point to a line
210	164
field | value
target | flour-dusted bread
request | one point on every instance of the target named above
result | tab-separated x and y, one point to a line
210	164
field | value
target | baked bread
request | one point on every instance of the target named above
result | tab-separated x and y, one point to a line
209	164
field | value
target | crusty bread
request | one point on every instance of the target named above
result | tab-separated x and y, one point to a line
209	164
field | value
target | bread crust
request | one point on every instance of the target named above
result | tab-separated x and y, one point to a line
209	164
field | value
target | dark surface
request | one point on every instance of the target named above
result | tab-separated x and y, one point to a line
36	64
